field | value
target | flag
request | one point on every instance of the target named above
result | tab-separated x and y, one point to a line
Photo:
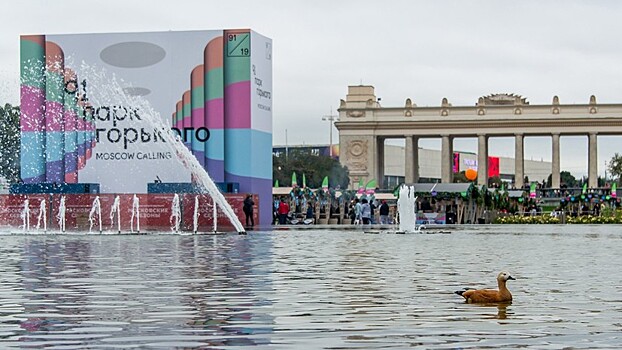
304	181
370	188
325	184
584	188
396	191
361	189
502	186
614	188
276	183
294	182
532	190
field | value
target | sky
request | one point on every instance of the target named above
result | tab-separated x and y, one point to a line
423	50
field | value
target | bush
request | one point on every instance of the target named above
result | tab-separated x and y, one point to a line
615	217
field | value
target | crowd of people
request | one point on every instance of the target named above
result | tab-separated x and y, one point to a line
363	211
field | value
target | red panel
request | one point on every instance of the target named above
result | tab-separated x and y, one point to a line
205	221
493	167
155	211
11	207
456	162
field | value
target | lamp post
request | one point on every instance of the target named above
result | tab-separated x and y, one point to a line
331	119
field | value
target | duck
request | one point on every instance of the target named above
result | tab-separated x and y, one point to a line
502	295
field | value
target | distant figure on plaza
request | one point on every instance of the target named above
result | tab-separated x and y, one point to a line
248	210
365	212
372	207
283	211
357	212
384	213
310	216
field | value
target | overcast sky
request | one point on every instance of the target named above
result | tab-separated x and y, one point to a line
423	50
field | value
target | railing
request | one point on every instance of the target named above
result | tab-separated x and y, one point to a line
571	192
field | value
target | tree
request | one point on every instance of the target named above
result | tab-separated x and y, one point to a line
615	166
9	142
494	182
460	177
565	179
314	167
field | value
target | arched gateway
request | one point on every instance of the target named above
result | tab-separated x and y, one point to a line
364	125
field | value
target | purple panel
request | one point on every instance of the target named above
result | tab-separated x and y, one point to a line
216	169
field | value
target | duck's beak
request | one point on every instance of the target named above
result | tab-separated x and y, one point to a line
511	278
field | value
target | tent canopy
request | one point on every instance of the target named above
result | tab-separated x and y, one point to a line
515	193
441	187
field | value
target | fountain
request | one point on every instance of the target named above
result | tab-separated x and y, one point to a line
196	214
25	215
42	216
61	214
175	214
96	210
116	209
406	210
135	214
200	177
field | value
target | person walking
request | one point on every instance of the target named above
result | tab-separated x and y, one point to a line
248	210
384	213
283	212
365	211
357	212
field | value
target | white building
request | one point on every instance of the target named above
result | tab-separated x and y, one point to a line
430	166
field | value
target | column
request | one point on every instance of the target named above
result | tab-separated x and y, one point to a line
415	159
380	162
592	164
411	159
197	112
519	162
408	164
214	109
70	117
446	158
54	113
555	181
32	115
482	160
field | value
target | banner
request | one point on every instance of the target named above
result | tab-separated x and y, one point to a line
493	167
89	102
154	211
456	164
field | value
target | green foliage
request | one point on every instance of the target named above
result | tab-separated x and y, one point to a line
460	177
314	167
608	216
565	178
615	166
521	219
494	181
9	142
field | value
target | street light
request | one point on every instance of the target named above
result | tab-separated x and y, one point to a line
331	119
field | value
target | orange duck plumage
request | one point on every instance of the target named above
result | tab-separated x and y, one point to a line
502	295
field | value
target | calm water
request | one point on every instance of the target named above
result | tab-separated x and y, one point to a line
312	289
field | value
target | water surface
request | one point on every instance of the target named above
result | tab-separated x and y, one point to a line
294	289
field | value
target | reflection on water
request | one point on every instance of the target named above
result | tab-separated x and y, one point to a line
312	289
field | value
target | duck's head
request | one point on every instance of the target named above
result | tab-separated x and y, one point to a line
504	276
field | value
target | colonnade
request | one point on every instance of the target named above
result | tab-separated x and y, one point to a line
364	124
412	159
